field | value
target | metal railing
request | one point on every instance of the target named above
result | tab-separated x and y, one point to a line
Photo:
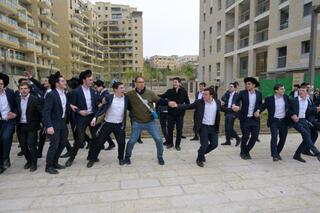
244	16
262	7
282	61
229	3
229	47
284	24
261	36
282	1
243	42
12	4
229	25
8	20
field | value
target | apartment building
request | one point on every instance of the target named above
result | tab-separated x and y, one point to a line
121	29
164	62
79	38
27	38
262	38
187	59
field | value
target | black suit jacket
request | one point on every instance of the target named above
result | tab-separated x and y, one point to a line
105	107
243	98
294	110
11	101
225	98
180	97
33	112
199	106
52	111
78	99
269	104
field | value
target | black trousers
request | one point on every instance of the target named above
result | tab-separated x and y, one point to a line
194	130
42	139
207	134
57	143
164	125
6	133
278	126
175	120
101	136
229	127
28	142
80	133
250	128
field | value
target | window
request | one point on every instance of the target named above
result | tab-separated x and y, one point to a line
136	28
284	18
210	49
307	9
219	28
211	10
204	16
218	67
219	4
210	30
305	47
282	57
106	8
99	8
204	52
203	72
243	67
218	45
209	73
204	35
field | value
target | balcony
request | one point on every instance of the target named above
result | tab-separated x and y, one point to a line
46	4
8	7
282	1
229	24
244	16
243	42
8	23
34	36
22	18
78	32
8	40
282	61
27	46
21	32
263	6
46	17
229	3
30	21
261	36
284	24
229	47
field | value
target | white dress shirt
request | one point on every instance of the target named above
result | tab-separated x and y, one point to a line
252	103
63	99
280	109
24	104
116	111
87	95
199	95
296	94
303	105
4	106
230	99
210	113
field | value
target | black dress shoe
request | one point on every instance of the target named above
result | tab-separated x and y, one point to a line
161	161
200	163
226	144
69	162
66	155
299	158
110	147
127	161
59	166
280	158
140	141
52	171
194	139
166	143
122	162
90	164
33	167
20	153
6	164
183	137
238	142
204	159
318	157
308	153
258	140
27	165
2	170
275	159
169	146
249	156
243	156
178	148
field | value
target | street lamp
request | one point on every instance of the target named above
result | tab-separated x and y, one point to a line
313	42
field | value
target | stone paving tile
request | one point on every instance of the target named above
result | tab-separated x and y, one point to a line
225	184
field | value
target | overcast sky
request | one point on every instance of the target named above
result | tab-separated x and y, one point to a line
170	26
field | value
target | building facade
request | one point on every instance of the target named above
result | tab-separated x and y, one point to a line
164	62
262	38
27	38
121	27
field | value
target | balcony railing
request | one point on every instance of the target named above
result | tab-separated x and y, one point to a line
23	30
262	7
229	25
229	3
261	36
243	42
282	1
12	4
30	20
22	16
245	16
8	20
229	47
284	24
282	61
34	36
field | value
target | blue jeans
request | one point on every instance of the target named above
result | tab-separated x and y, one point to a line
6	133
153	130
275	127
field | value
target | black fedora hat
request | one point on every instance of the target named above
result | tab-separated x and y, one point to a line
73	82
252	80
84	75
5	79
99	83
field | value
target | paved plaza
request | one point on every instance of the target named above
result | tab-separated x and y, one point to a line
225	184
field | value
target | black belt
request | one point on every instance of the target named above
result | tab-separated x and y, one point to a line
207	125
279	119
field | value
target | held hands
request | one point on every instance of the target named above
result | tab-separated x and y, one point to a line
93	122
295	118
27	74
257	114
222	103
318	109
11	115
73	107
235	108
50	131
83	112
172	104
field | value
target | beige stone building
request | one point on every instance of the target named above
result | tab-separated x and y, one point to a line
122	32
27	38
263	38
187	59
80	42
164	62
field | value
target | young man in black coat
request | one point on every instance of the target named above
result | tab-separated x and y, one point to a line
249	103
278	111
207	121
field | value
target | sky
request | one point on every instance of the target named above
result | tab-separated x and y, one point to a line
170	27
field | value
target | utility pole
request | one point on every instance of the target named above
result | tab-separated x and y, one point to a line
313	43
